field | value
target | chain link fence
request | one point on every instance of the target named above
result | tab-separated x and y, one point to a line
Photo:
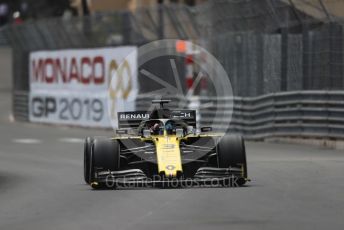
3	40
272	46
265	46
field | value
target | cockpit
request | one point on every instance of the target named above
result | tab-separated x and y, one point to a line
163	127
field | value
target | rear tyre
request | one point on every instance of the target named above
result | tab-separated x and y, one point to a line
105	155
231	153
87	156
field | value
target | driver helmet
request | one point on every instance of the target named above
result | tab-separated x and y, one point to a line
169	126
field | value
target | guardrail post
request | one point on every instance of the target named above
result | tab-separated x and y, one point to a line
328	126
300	112
273	127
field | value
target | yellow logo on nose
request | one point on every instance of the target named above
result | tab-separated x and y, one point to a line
170	167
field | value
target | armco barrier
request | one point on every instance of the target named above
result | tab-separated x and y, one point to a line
316	114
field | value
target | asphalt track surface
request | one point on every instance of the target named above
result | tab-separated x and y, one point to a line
41	187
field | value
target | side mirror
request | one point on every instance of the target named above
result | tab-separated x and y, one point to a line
121	131
206	129
146	133
191	130
179	132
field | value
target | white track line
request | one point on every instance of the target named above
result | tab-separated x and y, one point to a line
71	140
26	141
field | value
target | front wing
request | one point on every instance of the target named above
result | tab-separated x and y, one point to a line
205	176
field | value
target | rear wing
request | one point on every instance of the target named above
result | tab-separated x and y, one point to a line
188	116
132	120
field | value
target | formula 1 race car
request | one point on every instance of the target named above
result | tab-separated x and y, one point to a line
164	151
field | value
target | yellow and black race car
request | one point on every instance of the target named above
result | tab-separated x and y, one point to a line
165	151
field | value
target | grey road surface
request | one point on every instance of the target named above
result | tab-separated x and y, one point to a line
41	187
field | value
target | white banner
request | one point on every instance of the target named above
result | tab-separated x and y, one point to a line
63	107
72	86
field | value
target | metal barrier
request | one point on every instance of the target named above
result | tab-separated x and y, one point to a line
21	105
317	114
266	47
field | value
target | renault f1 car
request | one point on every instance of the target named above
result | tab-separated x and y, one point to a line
165	150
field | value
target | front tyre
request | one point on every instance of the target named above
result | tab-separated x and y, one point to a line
87	156
105	155
231	153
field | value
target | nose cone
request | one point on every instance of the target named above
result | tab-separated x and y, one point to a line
168	155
